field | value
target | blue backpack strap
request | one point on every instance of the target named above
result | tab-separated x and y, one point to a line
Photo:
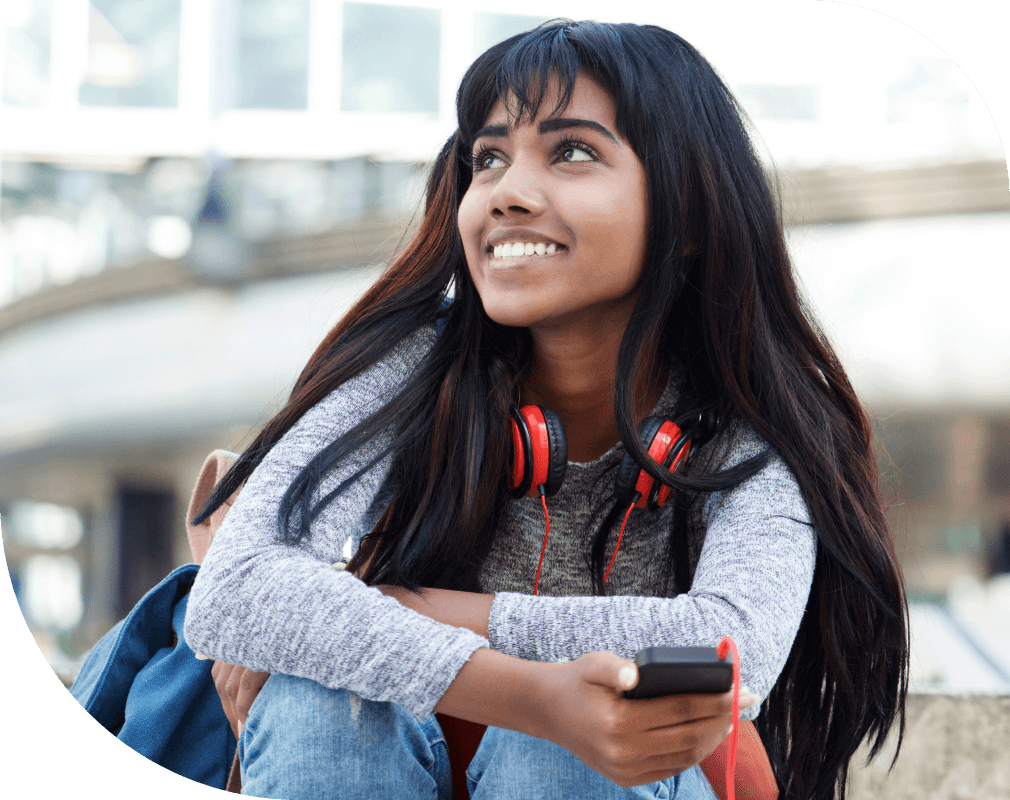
443	314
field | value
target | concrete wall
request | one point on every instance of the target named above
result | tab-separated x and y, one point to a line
956	747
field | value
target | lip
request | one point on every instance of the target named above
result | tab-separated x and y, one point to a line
503	235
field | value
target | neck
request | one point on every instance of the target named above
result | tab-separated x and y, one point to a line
574	372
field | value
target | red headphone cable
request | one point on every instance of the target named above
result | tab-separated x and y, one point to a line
635	499
547	531
725	645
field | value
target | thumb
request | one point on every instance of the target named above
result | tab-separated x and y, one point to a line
613	671
627	676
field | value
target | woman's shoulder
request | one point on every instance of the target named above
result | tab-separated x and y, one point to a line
402	360
382	379
738	442
365	393
772	486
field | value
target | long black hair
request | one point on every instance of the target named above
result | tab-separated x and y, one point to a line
717	295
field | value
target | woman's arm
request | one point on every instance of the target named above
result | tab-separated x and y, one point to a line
752	582
581	707
468	610
273	607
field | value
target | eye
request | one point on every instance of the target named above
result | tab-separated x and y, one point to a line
485	158
573	152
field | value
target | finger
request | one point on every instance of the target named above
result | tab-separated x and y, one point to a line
249	688
221	673
606	669
661	712
675	749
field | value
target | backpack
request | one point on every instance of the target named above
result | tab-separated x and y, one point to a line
144	684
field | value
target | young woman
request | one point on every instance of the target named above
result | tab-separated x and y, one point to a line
599	239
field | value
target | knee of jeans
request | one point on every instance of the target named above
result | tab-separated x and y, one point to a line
306	713
503	749
302	705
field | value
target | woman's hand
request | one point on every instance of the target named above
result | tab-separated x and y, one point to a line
631	742
237	687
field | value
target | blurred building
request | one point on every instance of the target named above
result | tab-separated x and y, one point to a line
193	192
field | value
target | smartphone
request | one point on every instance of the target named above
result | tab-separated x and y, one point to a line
681	670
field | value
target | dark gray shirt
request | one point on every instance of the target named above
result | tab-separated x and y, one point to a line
281	608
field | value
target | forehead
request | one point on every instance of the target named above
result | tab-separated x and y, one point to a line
589	100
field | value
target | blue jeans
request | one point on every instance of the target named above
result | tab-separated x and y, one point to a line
303	741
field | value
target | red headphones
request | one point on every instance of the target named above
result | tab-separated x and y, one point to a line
665	443
540	460
539	451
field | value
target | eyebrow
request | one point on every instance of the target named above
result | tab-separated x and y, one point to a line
547	126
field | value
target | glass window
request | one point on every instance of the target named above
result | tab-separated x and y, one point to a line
489	29
51	591
133	53
45	525
929	91
390	59
779	101
272	56
28	51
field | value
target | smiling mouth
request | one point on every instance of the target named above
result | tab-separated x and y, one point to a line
517	250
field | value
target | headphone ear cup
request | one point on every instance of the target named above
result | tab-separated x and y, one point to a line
676	455
545	448
626	482
522	454
557	451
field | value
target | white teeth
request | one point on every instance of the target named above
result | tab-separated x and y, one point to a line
517	249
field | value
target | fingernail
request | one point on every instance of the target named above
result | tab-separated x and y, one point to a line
745	690
747	699
201	657
626	677
240	727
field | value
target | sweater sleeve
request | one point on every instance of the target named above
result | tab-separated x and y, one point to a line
752	582
283	608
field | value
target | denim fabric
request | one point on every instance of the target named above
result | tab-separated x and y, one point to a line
149	690
303	741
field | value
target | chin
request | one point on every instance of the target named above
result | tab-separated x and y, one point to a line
507	311
512	317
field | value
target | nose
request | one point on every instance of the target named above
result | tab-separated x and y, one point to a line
519	191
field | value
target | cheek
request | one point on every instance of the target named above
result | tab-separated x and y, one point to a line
614	235
469	222
468	219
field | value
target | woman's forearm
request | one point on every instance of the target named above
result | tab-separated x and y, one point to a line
500	690
459	609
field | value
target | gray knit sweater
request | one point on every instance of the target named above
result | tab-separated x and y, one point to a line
281	608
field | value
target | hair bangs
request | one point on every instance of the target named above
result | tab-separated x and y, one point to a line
520	72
